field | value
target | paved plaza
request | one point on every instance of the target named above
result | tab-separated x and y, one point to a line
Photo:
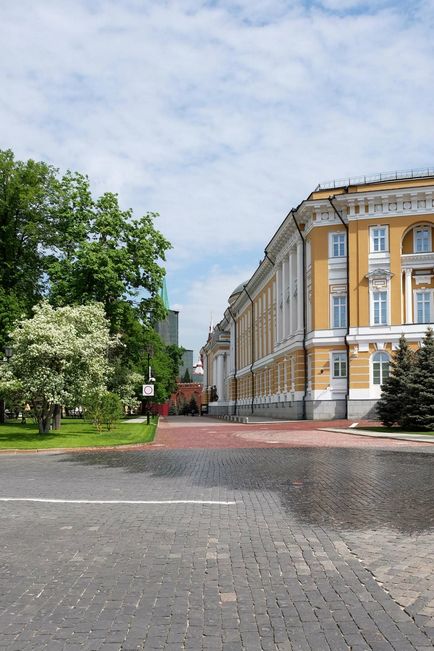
272	538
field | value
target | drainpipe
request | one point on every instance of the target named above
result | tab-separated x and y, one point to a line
337	213
235	358
252	349
304	312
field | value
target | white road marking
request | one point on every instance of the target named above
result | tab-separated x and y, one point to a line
57	501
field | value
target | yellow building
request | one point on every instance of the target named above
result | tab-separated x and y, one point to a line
311	333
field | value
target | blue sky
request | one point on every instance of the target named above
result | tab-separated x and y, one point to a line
220	115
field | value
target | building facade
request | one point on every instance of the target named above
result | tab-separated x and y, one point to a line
311	333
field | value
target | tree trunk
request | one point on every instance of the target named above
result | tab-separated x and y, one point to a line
44	423
2	412
57	417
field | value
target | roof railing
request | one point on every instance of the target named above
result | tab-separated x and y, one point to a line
377	178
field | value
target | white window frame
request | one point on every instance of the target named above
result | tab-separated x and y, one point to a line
384	227
372	292
332	312
418	229
343	359
339	234
373	361
430	294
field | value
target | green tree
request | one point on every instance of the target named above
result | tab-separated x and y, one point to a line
193	408
58	241
396	386
108	256
104	408
26	201
59	357
165	362
418	409
186	377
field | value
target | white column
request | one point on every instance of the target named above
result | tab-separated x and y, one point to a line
220	377
300	286
283	295
278	309
214	371
408	297
292	302
205	371
232	364
287	296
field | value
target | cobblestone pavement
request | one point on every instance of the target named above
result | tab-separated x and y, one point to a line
309	548
185	432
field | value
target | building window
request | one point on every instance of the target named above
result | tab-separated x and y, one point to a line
422	239
380	368
339	311
379	242
423	307
379	308
339	365
338	245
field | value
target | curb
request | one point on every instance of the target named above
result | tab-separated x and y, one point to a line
103	448
379	435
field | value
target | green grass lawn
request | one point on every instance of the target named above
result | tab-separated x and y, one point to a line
74	433
395	430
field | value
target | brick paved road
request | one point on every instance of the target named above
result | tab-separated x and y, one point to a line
296	562
184	432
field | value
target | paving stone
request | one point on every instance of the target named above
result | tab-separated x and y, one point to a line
318	551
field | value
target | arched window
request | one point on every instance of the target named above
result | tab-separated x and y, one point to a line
380	367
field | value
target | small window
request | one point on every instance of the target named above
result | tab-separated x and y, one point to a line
338	245
379	308
339	365
423	307
379	242
339	312
422	239
380	368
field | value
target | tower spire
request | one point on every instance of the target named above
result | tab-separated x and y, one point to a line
164	295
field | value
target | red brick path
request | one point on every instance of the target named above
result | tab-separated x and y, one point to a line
185	432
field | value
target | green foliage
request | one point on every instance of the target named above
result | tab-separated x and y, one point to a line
25	208
60	242
60	356
164	362
74	433
395	388
193	408
184	409
407	397
104	408
110	257
418	408
186	377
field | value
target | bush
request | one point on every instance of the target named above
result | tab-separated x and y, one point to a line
104	408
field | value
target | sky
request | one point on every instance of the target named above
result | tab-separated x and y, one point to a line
220	115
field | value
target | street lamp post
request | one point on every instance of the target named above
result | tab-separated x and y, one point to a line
150	352
8	355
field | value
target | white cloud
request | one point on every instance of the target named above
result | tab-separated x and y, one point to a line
221	114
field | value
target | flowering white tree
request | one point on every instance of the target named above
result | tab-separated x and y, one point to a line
59	356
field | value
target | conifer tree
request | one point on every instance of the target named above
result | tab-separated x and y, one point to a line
186	378
418	408
395	387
